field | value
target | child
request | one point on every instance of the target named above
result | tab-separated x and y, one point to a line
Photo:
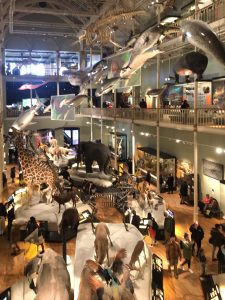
202	260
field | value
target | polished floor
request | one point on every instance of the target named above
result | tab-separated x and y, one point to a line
187	286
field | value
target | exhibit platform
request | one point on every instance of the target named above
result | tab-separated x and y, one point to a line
121	239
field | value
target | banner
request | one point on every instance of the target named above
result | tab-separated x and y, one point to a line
59	111
116	64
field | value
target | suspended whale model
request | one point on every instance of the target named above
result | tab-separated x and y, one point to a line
200	35
157	92
25	118
191	63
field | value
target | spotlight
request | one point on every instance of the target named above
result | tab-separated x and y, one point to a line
219	150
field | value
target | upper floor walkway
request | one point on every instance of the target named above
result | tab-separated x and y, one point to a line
204	119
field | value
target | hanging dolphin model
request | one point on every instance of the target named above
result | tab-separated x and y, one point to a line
200	35
151	36
75	102
107	86
136	62
191	63
25	118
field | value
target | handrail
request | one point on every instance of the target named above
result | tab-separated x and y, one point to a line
213	117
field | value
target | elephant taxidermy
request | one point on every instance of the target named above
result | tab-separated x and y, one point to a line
90	152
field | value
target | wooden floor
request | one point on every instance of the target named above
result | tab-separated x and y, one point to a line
187	286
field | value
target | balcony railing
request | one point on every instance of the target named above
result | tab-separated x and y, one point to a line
212	117
209	117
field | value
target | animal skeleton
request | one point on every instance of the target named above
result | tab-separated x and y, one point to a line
100	31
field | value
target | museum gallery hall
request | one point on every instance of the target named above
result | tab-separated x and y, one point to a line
112	119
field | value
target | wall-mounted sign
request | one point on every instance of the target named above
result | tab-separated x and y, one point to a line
157	278
214	293
213	170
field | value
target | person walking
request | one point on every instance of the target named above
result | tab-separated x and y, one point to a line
170	182
186	246
183	192
217	239
169	227
202	259
197	235
173	253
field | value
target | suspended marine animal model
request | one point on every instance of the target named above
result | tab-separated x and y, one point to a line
191	63
25	118
200	35
107	86
75	102
157	92
137	62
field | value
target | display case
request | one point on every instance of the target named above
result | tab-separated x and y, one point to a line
149	163
185	91
120	143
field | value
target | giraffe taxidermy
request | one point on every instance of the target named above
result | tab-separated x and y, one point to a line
35	170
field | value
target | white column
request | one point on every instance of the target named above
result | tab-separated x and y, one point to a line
133	148
57	70
101	107
91	95
115	132
157	122
1	118
195	138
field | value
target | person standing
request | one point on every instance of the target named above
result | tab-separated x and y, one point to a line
169	227
202	259
13	173
183	192
148	177
217	239
197	235
152	228
173	253
135	219
170	182
187	252
3	215
10	217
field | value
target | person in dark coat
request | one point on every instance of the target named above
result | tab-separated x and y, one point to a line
148	177
183	192
3	215
31	225
13	173
217	239
170	182
169	227
152	228
221	259
197	235
10	216
135	219
143	103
